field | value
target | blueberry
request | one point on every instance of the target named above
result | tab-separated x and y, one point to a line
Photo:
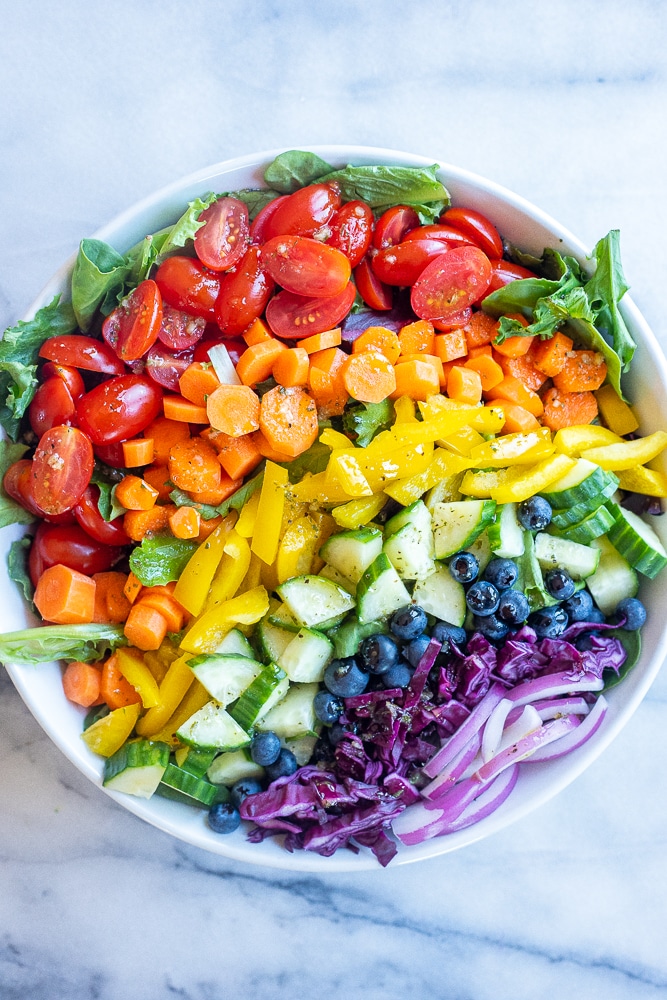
223	817
408	622
399	676
446	633
414	651
243	788
482	598
502	573
328	707
377	653
548	623
513	607
284	765
490	626
579	606
634	613
344	678
534	514
464	567
559	583
265	748
341	729
595	615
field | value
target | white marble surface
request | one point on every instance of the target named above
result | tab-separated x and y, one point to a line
565	103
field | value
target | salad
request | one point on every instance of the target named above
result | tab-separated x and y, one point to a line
339	511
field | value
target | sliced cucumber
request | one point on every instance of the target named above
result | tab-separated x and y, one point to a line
457	525
213	728
330	573
225	676
572	515
380	591
306	656
595	524
228	768
183	786
352	552
195	761
613	580
579	560
440	595
258	699
410	551
446	491
293	716
637	542
584	481
482	551
302	748
416	514
136	768
236	643
315	601
506	534
283	618
349	636
272	639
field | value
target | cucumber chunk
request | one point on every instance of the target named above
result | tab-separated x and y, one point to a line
306	656
183	786
136	768
506	534
417	514
582	483
410	550
457	525
236	643
613	580
195	761
579	560
213	728
293	716
228	768
267	689
595	524
315	601
352	552
562	518
272	639
442	596
380	591
225	676
349	636
637	542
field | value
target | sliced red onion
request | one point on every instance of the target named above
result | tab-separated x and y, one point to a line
487	802
527	746
578	736
493	730
223	365
472	724
552	708
454	770
552	685
527	722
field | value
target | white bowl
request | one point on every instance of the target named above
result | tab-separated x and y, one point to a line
527	227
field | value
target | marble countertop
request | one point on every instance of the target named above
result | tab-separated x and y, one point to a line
562	103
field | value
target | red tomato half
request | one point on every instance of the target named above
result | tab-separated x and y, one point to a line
51	405
61	469
69	375
223	238
119	409
403	263
393	225
261	220
186	284
166	367
306	267
455	321
180	331
89	518
78	351
451	283
18	484
352	230
244	293
71	546
436	231
132	328
374	292
304	212
293	317
502	273
477	227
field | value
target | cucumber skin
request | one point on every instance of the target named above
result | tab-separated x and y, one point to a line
635	550
591	486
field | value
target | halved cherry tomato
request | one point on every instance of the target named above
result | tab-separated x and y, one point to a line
119	409
166	367
69	375
393	225
477	227
451	283
502	273
186	284
259	223
61	469
71	546
235	349
244	293
18	485
79	351
223	238
111	454
132	328
304	212
437	231
351	230
51	405
306	267
293	317
89	518
374	292
179	330
403	263
455	321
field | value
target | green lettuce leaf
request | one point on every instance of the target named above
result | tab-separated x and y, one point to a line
206	511
632	644
314	460
17	567
160	559
530	579
61	642
255	198
367	419
294	169
106	479
381	187
99	275
184	229
605	290
11	512
238	500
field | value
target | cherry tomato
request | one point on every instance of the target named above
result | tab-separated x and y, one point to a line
393	225
186	284
244	293
166	367
306	267
304	212
18	485
352	230
455	321
89	518
221	241
51	405
111	454
402	264
502	273
437	231
375	294
293	317
451	283
132	328
78	351
235	349
61	469
119	409
259	223
71	546
69	375
477	227
179	330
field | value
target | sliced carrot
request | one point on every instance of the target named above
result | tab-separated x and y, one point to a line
132	588
267	450
115	690
138	451
181	409
234	409
321	341
417	337
291	367
429	359
481	329
378	338
489	371
224	489
288	420
194	466
369	377
157	476
550	355
82	683
64	596
146	627
161	599
207	528
568	409
111	604
238	456
328	391
517	419
464	385
256	333
481	349
450	346
134	493
583	371
416	380
515	347
330	361
256	363
521	367
513	390
185	522
165	434
139	523
198	381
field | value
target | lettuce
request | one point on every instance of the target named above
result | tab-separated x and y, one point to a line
11	512
160	559
61	642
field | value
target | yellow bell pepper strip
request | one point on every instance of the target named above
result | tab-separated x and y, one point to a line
357	512
298	548
343	469
463	441
173	689
481	485
266	536
253	577
334	439
650	482
619	457
317	489
380	466
231	571
579	437
485	419
194	582
443	465
206	634
513	449
404	411
245	526
108	734
325	528
133	668
531	481
615	412
194	699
